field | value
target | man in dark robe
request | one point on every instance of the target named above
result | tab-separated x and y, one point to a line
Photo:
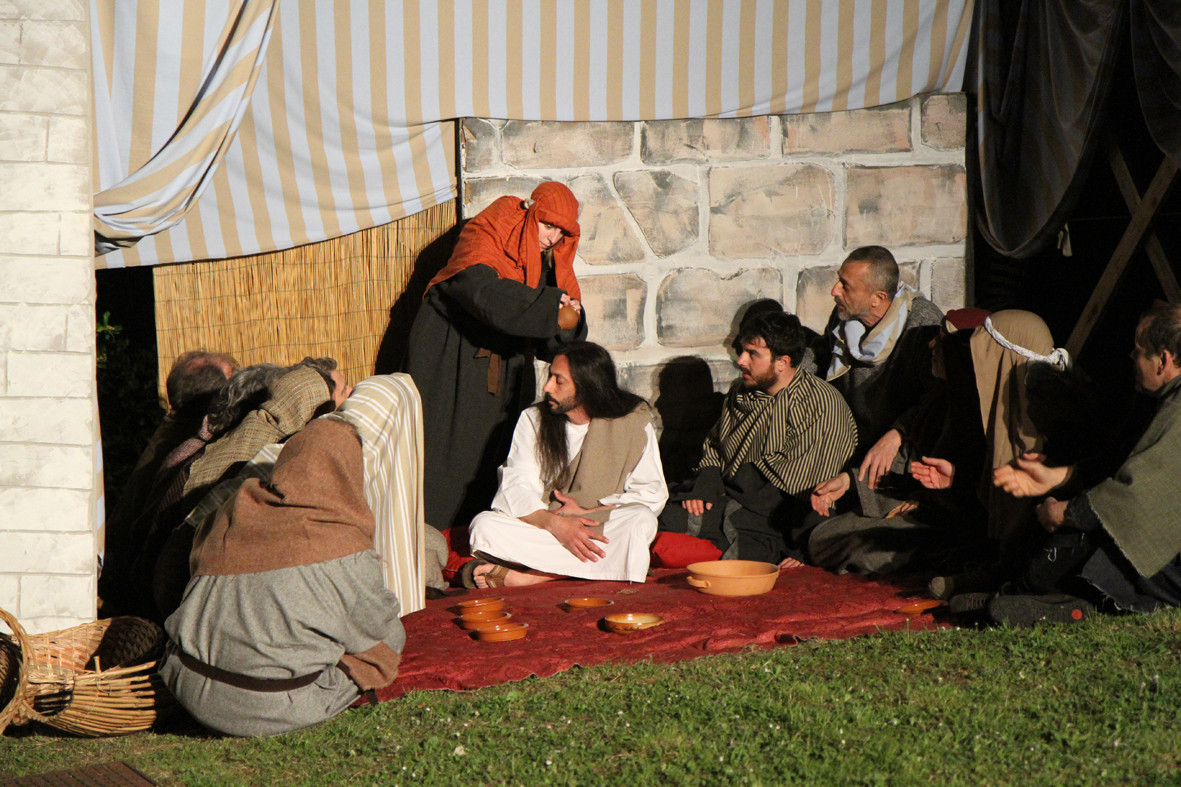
876	351
1118	543
496	303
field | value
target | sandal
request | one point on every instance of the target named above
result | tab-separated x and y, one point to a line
466	574
494	577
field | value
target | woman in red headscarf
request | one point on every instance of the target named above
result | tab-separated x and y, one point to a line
485	315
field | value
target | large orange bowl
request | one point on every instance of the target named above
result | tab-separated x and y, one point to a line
733	577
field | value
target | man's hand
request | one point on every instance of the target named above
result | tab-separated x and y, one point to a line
573	303
933	473
572	532
1052	514
696	507
1028	476
877	462
570	506
341	389
829	492
789	562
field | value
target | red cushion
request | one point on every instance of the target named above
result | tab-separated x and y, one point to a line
455	560
677	550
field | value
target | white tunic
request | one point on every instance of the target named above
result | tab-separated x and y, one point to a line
629	528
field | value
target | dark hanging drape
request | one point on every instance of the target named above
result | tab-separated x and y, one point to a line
1043	74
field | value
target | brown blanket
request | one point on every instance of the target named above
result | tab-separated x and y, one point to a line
313	509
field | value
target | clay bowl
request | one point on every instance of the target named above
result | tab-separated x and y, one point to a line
587	602
502	632
627	622
471	616
493	619
567	318
733	577
495	604
913	610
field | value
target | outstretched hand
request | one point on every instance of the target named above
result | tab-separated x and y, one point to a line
1028	476
829	492
879	458
933	472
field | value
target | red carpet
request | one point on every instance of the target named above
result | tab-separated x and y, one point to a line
806	603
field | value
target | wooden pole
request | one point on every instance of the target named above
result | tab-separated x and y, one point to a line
1152	244
1118	264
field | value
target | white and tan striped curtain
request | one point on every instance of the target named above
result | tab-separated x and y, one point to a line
234	127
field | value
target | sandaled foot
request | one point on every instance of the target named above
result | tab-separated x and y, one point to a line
492	576
466	575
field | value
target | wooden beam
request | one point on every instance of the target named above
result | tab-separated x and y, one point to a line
1118	264
1152	244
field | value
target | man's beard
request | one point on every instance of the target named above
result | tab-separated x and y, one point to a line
563	406
754	381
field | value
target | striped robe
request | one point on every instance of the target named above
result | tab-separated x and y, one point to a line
760	462
797	438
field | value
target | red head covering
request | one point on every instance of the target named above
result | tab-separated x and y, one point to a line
504	236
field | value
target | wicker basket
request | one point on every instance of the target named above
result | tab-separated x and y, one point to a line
90	680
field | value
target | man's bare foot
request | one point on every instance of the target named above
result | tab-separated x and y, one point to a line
512	577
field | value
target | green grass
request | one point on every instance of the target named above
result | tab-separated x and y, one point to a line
1097	702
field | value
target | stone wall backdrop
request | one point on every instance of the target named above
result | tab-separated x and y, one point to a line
48	456
686	222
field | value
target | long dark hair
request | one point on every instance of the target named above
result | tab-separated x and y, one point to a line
598	392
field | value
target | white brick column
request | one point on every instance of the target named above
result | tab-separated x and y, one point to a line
48	412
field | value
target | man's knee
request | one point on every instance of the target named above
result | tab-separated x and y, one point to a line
482	523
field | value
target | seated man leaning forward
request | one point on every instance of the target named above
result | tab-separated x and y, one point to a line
1117	542
782	431
581	488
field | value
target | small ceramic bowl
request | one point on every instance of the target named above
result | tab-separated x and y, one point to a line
913	610
481	614
493	619
588	602
502	632
495	604
627	622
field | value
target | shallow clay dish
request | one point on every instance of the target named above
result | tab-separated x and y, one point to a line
502	632
588	602
493	619
917	608
627	622
733	577
495	604
473	615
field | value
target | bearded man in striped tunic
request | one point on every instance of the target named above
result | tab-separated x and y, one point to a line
782	431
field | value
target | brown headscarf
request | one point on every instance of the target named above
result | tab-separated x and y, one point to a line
1000	381
504	236
1004	410
312	510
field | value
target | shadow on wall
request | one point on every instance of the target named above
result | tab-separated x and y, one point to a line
688	406
391	354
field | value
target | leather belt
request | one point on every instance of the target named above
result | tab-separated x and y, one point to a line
245	681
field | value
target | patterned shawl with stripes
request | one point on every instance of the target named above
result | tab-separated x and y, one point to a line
797	438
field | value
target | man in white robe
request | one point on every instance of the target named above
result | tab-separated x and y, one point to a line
582	486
